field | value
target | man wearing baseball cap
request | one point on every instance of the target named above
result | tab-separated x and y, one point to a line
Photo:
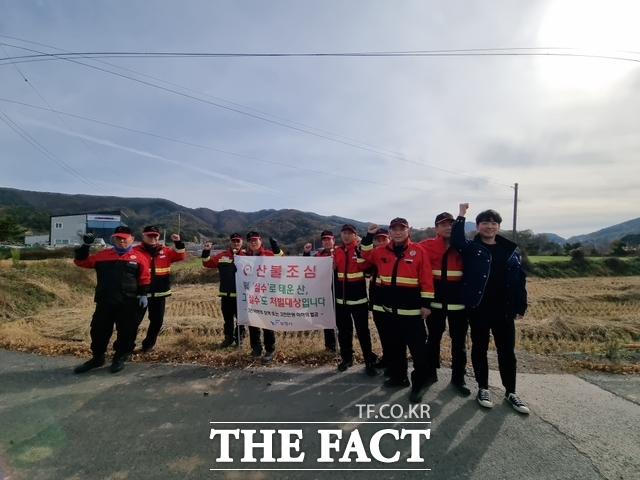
495	295
254	242
223	261
123	280
328	247
406	291
446	264
351	300
160	259
380	239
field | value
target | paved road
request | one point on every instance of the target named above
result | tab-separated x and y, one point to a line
153	421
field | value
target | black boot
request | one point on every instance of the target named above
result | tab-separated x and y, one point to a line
369	367
227	342
342	366
461	386
118	363
95	362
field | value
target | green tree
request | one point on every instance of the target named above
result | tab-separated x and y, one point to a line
10	229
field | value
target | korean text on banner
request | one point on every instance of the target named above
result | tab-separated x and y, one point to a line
285	293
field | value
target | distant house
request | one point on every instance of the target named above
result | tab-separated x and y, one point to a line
69	229
31	240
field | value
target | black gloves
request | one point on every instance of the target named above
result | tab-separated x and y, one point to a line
274	245
88	238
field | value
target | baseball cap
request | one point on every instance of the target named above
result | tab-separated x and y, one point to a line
122	231
252	234
326	234
399	221
443	217
381	232
348	226
151	230
235	236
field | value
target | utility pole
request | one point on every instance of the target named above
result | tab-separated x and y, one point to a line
179	216
515	210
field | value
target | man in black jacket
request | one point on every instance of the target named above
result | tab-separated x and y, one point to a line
223	261
123	281
494	292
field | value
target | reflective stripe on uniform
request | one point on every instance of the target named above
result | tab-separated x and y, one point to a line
400	311
159	294
378	308
351	275
452	307
351	302
225	294
400	280
366	247
426	294
161	270
227	260
181	250
450	273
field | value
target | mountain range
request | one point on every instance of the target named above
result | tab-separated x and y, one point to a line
292	227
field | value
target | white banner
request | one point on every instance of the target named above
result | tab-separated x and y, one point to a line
285	293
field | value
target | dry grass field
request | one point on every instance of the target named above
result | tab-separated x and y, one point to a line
46	307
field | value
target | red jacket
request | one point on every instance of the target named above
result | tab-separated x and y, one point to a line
160	261
223	261
404	276
351	287
121	278
446	264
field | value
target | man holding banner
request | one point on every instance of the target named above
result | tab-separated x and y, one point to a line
406	288
256	249
223	261
328	247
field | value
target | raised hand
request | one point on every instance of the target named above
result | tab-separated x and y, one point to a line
373	228
463	209
307	247
175	237
88	238
207	246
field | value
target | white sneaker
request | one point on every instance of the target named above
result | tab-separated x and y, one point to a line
484	398
517	403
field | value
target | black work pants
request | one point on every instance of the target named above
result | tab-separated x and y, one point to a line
382	325
346	317
407	331
269	339
156	308
330	338
229	308
458	326
484	321
125	318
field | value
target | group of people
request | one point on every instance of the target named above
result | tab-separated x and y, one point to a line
130	281
414	290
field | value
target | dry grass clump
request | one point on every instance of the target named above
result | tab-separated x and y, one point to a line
49	283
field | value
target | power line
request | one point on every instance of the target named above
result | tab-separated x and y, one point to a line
68	126
295	167
451	170
393	155
249	157
34	143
